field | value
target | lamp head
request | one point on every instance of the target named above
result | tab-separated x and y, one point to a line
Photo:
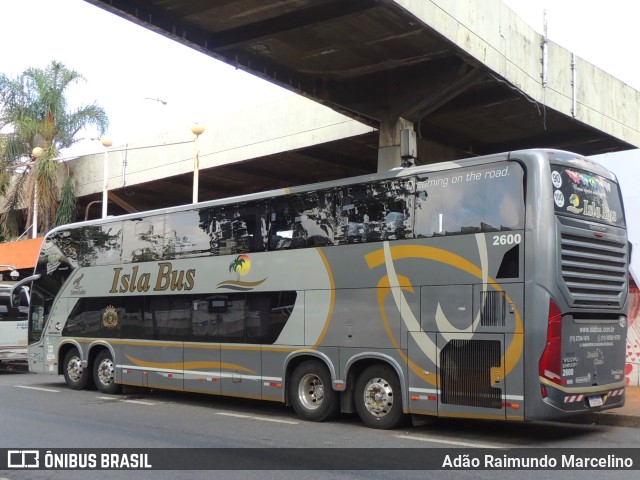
197	129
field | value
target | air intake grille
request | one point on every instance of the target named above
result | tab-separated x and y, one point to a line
492	309
594	270
466	373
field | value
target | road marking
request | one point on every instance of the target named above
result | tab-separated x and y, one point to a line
38	388
237	415
451	442
262	419
124	400
138	402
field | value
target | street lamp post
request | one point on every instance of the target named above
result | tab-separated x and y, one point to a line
36	153
106	143
197	130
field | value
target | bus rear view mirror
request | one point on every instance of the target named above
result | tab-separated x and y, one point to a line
15	297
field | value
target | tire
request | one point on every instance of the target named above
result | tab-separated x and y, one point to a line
311	394
104	373
378	398
76	376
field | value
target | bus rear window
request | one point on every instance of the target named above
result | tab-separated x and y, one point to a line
586	195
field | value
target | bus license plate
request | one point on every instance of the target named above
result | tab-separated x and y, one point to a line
595	401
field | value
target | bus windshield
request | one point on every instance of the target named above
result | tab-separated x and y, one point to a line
585	194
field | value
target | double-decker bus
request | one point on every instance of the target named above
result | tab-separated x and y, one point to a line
493	287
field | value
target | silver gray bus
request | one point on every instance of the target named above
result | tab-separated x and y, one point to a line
493	287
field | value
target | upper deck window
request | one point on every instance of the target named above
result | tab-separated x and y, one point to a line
485	198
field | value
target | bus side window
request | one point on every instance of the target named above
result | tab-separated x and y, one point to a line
236	229
184	235
232	321
300	221
470	200
258	310
268	314
85	319
375	211
134	323
171	317
143	239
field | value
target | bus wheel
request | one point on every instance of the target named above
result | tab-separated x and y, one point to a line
311	394
104	373
378	398
76	376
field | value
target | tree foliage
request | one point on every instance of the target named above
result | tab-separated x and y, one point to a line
34	112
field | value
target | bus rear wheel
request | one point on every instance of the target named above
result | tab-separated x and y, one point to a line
76	376
378	398
311	394
104	373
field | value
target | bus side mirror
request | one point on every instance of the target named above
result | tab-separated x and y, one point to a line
15	299
16	290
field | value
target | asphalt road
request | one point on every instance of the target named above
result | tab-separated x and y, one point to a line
39	411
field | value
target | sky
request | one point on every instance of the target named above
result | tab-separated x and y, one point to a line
125	68
149	84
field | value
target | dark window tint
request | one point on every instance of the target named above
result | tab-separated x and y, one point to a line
102	244
375	211
235	229
227	318
143	239
171	317
486	198
184	237
136	322
85	318
302	221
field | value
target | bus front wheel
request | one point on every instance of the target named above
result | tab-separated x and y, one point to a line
76	376
378	398
311	394
104	373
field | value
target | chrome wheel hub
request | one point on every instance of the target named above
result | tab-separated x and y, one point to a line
311	391
378	397
74	369
106	372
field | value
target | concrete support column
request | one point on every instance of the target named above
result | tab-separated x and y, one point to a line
389	143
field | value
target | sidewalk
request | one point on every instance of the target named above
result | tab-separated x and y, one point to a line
627	416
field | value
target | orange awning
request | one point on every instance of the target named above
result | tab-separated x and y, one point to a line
20	254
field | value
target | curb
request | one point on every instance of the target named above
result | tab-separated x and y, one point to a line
605	418
618	420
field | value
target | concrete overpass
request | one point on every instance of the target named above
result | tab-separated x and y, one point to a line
469	77
302	142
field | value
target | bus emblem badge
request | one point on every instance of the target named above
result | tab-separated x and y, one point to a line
110	317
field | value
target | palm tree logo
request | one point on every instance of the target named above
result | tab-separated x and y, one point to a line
241	265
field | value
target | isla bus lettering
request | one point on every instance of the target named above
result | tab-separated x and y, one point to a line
595	211
167	279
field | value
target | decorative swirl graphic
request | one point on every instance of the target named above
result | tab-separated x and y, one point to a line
388	255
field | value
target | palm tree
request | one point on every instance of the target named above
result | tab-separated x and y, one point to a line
34	113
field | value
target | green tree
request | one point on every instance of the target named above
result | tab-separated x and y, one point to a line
34	113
